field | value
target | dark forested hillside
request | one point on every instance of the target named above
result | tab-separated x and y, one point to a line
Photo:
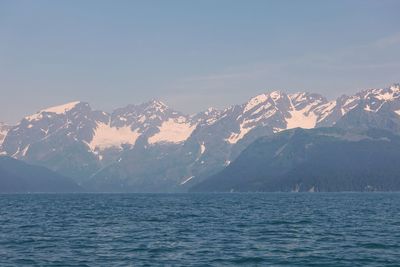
325	159
17	177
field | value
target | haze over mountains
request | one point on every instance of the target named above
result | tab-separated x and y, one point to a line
19	177
152	148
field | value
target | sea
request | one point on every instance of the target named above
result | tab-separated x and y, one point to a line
213	229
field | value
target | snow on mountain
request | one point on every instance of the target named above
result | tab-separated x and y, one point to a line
158	124
255	101
73	122
375	99
268	113
74	139
105	136
154	122
61	109
208	117
277	111
4	128
301	118
173	131
187	179
303	111
235	137
202	148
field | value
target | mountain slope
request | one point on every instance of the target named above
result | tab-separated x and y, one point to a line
75	140
4	128
19	177
325	159
175	150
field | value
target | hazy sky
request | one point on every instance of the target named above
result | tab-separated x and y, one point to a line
190	54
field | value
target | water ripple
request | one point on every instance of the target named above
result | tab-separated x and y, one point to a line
273	229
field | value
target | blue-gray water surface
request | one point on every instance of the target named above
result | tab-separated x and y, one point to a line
260	229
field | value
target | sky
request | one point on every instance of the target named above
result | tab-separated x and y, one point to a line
190	54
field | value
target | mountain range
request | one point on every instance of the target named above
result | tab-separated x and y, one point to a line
153	148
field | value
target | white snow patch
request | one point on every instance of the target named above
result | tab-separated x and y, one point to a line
21	153
142	119
368	108
326	109
158	105
62	108
45	131
34	117
350	100
202	148
25	150
106	136
275	95
303	118
255	101
386	96
16	153
2	137
235	137
349	104
3	134
263	107
187	180
398	112
299	97
211	121
173	131
395	87
265	115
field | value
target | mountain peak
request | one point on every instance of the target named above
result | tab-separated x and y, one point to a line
275	95
255	101
210	110
60	109
156	104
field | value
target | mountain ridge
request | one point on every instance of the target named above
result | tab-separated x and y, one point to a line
91	145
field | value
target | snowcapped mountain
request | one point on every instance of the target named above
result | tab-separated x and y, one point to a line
56	137
147	146
155	122
75	140
378	108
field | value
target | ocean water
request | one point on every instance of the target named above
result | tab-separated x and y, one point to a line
260	229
